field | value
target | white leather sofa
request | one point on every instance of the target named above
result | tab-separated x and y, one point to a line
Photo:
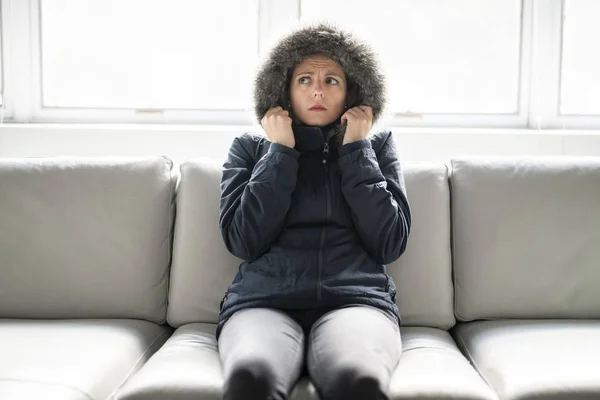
84	265
112	270
527	268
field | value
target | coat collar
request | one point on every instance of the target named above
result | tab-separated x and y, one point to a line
312	138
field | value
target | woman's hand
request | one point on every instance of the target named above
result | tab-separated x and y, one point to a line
278	126
360	122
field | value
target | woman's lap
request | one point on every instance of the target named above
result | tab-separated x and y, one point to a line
351	344
267	342
340	345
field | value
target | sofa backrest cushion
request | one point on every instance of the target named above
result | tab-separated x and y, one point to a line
202	268
85	237
423	273
526	237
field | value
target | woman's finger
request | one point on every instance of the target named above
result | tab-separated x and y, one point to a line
354	112
360	113
367	110
344	117
348	116
273	110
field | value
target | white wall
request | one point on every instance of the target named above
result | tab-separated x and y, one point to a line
182	142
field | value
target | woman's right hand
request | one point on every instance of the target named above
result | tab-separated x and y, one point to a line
277	124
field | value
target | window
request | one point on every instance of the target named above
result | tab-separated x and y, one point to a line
580	62
448	63
451	57
148	54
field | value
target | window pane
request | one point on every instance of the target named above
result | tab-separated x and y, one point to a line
580	77
149	53
441	56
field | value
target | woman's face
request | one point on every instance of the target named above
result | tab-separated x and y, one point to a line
318	80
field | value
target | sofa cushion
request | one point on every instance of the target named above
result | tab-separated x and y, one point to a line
85	237
188	367
72	359
526	234
541	359
423	273
202	268
432	367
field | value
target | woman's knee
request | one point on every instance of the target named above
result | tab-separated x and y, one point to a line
251	379
354	384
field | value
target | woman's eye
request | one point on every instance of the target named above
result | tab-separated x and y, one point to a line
306	79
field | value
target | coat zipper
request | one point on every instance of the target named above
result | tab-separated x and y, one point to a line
328	208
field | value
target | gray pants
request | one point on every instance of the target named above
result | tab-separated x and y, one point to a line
349	353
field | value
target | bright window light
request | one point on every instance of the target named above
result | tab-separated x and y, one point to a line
148	54
458	56
580	75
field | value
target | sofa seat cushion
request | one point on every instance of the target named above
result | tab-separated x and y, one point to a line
535	359
188	367
72	359
432	367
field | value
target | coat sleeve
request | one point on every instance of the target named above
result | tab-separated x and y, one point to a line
255	196
373	186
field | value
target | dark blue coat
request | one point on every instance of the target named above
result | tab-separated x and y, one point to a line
316	224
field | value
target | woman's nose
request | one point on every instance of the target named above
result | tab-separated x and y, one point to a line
317	90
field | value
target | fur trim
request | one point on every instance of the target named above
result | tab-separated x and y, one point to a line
357	59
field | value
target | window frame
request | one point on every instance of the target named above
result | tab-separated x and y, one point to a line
540	60
41	113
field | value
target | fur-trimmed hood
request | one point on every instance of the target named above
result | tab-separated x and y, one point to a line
359	61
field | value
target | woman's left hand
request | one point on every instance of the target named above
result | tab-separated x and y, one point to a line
360	122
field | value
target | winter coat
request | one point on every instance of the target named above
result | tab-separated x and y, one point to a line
316	224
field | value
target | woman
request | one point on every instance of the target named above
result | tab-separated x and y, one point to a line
316	210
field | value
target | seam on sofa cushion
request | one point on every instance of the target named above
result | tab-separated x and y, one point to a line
433	348
452	240
169	237
471	359
451	233
135	368
73	388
